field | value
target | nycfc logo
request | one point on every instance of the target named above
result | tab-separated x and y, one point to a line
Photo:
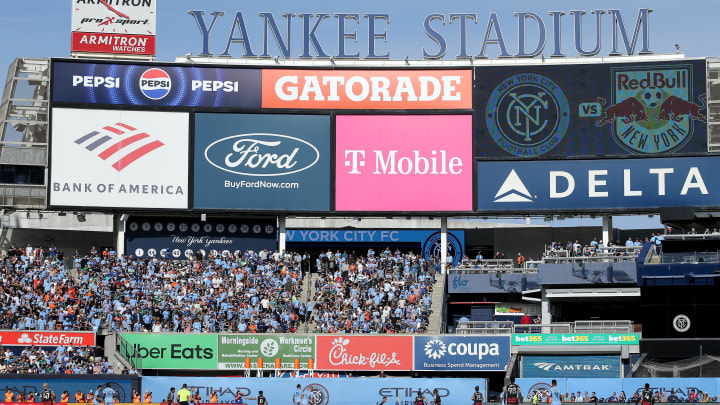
155	83
317	394
435	349
527	114
431	247
681	323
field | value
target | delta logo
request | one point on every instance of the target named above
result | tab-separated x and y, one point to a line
119	143
155	84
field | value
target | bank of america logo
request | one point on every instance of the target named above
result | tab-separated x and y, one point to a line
120	143
513	190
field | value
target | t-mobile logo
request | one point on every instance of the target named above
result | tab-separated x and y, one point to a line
357	158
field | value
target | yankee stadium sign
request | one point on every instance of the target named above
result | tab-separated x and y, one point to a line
534	31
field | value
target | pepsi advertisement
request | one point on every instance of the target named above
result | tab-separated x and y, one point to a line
609	184
264	162
180	238
461	353
155	85
571	366
608	109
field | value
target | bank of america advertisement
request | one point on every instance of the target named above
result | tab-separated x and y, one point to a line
115	27
117	158
594	109
461	353
613	184
262	162
410	163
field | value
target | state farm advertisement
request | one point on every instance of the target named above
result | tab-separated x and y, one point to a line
46	338
117	158
416	163
364	353
114	26
360	89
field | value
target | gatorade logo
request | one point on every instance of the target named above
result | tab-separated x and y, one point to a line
155	83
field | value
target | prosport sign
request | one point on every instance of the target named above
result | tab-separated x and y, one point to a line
527	186
114	26
462	353
46	338
154	85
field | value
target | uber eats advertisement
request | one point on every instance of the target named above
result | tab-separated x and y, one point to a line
172	351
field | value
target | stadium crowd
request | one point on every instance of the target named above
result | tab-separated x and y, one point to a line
62	360
660	396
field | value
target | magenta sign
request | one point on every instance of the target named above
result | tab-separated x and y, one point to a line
403	163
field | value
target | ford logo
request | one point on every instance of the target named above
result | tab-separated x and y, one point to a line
260	154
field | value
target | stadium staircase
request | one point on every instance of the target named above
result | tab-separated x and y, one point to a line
309	289
436	321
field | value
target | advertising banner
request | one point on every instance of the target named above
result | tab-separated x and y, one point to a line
462	353
576	339
608	109
325	391
403	163
116	158
181	238
234	349
365	353
587	273
181	351
33	384
152	84
428	239
262	162
492	283
571	366
46	338
367	89
126	27
613	184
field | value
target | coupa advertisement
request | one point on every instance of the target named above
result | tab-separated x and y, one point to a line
262	162
527	186
154	85
492	283
403	163
462	353
428	240
119	159
326	391
571	366
182	238
591	109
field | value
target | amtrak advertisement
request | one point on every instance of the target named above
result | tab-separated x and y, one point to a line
262	162
650	108
462	353
155	85
324	391
612	184
571	366
180	238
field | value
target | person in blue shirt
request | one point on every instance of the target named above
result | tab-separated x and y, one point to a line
555	396
297	395
108	395
97	398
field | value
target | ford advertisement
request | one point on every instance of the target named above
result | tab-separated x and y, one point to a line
262	162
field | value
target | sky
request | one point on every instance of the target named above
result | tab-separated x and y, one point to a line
41	28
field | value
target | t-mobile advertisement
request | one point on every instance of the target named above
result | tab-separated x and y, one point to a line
414	163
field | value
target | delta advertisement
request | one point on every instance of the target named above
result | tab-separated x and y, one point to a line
365	353
234	349
612	184
570	366
325	391
416	163
182	238
118	158
262	162
462	353
492	283
367	89
428	239
114	27
650	108
27	384
574	339
46	338
605	387
154	85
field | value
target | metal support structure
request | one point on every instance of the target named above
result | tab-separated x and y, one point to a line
282	241
607	229
119	231
443	245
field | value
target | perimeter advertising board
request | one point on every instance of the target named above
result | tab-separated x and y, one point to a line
605	387
57	382
180	351
492	283
234	349
46	338
649	108
611	184
417	163
181	238
462	353
262	162
367	89
571	366
116	27
154	85
576	339
365	353
118	158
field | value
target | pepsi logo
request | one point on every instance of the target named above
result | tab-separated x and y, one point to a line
155	83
